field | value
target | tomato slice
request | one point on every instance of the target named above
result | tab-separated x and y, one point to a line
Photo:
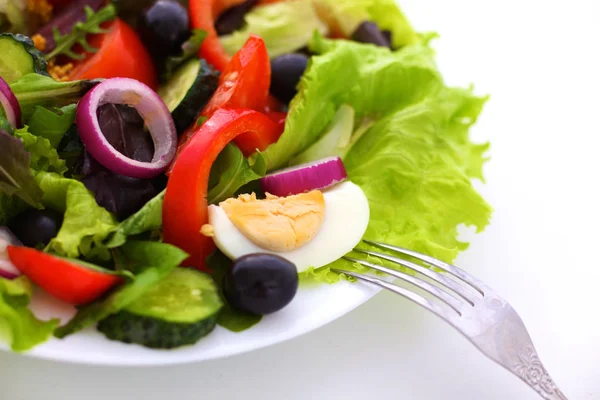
244	83
185	208
121	54
204	14
66	280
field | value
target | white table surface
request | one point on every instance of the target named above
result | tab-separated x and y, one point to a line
540	61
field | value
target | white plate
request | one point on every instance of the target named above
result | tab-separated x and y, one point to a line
312	308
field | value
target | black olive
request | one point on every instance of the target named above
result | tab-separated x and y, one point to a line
261	283
286	72
233	19
36	227
369	32
164	27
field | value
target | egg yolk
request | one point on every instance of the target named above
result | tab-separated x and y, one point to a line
278	224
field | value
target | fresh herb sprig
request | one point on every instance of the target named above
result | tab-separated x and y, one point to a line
65	43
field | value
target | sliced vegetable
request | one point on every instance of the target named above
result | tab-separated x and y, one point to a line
243	84
178	311
19	57
203	14
319	175
69	281
151	262
185	209
36	227
189	50
7	268
10	104
188	91
285	27
121	54
151	108
16	178
261	283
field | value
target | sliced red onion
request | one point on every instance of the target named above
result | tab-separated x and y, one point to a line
151	108
303	178
7	238
9	102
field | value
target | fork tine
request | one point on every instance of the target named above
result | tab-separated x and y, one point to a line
462	291
451	269
451	301
420	300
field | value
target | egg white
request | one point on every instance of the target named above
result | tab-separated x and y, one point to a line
344	224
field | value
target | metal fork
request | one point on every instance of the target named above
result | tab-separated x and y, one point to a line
470	306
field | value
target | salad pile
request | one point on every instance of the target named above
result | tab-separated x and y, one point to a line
167	166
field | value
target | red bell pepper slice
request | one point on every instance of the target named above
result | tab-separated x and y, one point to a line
204	14
66	280
243	84
185	208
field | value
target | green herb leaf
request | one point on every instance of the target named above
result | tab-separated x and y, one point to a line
150	261
16	178
65	44
43	156
52	123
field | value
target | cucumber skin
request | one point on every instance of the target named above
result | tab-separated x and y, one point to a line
40	65
197	97
153	333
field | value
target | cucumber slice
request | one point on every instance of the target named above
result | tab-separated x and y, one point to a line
188	91
178	311
19	57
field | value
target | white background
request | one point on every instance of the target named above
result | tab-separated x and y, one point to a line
540	62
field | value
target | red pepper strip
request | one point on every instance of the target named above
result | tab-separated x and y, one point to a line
66	280
204	14
185	209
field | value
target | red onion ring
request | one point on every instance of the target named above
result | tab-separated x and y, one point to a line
150	107
7	269
321	174
9	102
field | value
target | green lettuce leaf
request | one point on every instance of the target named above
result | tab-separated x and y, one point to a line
415	167
231	171
374	81
43	155
16	178
347	15
147	219
52	124
151	262
19	327
285	27
85	226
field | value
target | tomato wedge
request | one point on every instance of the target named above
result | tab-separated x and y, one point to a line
66	280
243	84
121	54
204	14
185	208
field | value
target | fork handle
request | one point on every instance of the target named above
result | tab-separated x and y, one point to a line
529	368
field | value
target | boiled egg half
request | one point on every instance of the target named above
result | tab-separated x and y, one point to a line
310	229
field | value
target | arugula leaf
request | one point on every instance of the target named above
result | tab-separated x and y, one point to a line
233	171
43	155
189	49
229	318
37	90
18	325
52	123
148	219
16	178
284	26
86	225
150	261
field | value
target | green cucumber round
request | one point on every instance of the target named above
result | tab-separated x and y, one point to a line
19	57
179	311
